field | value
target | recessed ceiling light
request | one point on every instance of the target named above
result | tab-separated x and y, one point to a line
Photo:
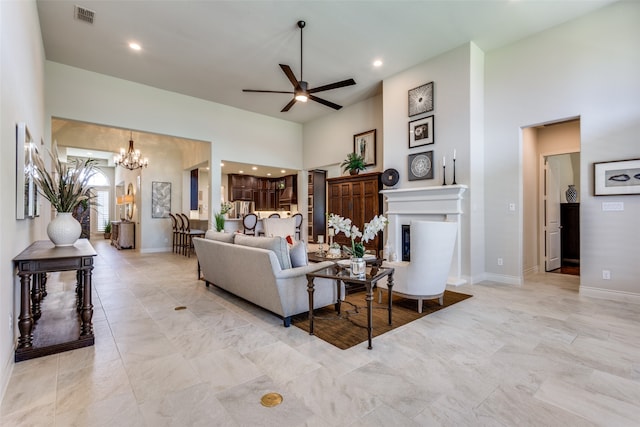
221	164
269	174
240	171
282	171
377	63
255	168
135	46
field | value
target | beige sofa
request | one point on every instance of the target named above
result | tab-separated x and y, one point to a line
259	270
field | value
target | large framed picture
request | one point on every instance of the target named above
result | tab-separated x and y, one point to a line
365	144
160	199
618	177
421	99
421	166
421	132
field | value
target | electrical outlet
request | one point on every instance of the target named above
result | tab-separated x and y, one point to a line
606	274
500	261
512	207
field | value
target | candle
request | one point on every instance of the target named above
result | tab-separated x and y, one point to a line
320	238
443	161
454	154
332	232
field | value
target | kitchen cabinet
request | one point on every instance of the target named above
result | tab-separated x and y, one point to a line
356	197
241	187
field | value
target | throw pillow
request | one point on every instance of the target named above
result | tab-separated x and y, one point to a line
298	254
276	244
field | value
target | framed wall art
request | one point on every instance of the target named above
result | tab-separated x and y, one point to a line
618	177
421	99
365	144
421	132
421	166
160	199
26	191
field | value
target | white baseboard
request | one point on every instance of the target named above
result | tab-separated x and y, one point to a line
456	281
609	294
503	278
533	270
155	250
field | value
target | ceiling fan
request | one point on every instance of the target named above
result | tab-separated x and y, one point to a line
301	91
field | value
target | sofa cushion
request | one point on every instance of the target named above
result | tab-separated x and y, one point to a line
276	244
220	237
298	254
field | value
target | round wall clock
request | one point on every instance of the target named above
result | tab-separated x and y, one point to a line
390	177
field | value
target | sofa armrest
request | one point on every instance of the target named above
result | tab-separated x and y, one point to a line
301	271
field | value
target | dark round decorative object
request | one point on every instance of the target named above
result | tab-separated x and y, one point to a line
390	177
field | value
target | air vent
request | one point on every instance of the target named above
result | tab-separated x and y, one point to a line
84	14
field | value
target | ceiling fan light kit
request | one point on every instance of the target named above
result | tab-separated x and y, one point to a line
301	91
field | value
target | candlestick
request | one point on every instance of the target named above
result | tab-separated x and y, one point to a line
444	162
454	169
444	176
454	154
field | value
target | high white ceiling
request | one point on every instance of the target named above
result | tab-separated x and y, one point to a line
214	49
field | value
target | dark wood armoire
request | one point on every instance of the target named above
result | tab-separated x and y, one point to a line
356	197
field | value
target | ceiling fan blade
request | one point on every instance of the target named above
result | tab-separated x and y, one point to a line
288	106
335	85
290	75
265	91
325	102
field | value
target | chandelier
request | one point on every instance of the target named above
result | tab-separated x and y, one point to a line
131	158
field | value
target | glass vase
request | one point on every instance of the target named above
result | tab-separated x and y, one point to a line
358	268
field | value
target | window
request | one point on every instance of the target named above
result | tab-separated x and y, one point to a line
102	209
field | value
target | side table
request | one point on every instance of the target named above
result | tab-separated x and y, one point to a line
340	274
33	264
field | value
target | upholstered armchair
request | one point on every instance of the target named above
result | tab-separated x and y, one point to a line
425	276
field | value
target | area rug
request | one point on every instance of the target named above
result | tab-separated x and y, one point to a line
350	329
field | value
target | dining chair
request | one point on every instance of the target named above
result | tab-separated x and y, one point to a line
274	215
249	223
298	217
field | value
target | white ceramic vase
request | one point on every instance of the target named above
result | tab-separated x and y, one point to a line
64	230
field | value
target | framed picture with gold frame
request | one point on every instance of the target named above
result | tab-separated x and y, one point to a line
365	144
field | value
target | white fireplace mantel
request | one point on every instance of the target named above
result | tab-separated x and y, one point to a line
436	203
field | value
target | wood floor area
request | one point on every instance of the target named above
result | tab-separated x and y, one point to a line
532	355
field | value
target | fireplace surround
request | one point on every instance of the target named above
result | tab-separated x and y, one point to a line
435	203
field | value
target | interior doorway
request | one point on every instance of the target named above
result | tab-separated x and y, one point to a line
551	162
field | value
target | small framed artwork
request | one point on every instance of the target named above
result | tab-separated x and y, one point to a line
421	99
365	144
421	132
618	177
421	166
160	199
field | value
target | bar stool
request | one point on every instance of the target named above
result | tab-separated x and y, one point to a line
189	235
298	218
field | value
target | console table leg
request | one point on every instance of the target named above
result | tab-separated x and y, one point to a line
369	299
87	307
390	292
310	290
25	322
36	296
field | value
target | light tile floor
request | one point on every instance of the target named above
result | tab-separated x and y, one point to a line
538	355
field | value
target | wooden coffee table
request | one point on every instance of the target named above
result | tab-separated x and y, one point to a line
340	274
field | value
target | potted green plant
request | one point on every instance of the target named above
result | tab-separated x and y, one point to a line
65	187
219	217
354	163
107	230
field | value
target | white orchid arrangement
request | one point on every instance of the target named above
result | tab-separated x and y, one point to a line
344	225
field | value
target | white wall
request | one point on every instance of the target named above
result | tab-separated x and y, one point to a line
21	100
589	68
329	139
458	124
236	135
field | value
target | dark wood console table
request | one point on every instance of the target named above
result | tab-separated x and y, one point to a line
33	264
